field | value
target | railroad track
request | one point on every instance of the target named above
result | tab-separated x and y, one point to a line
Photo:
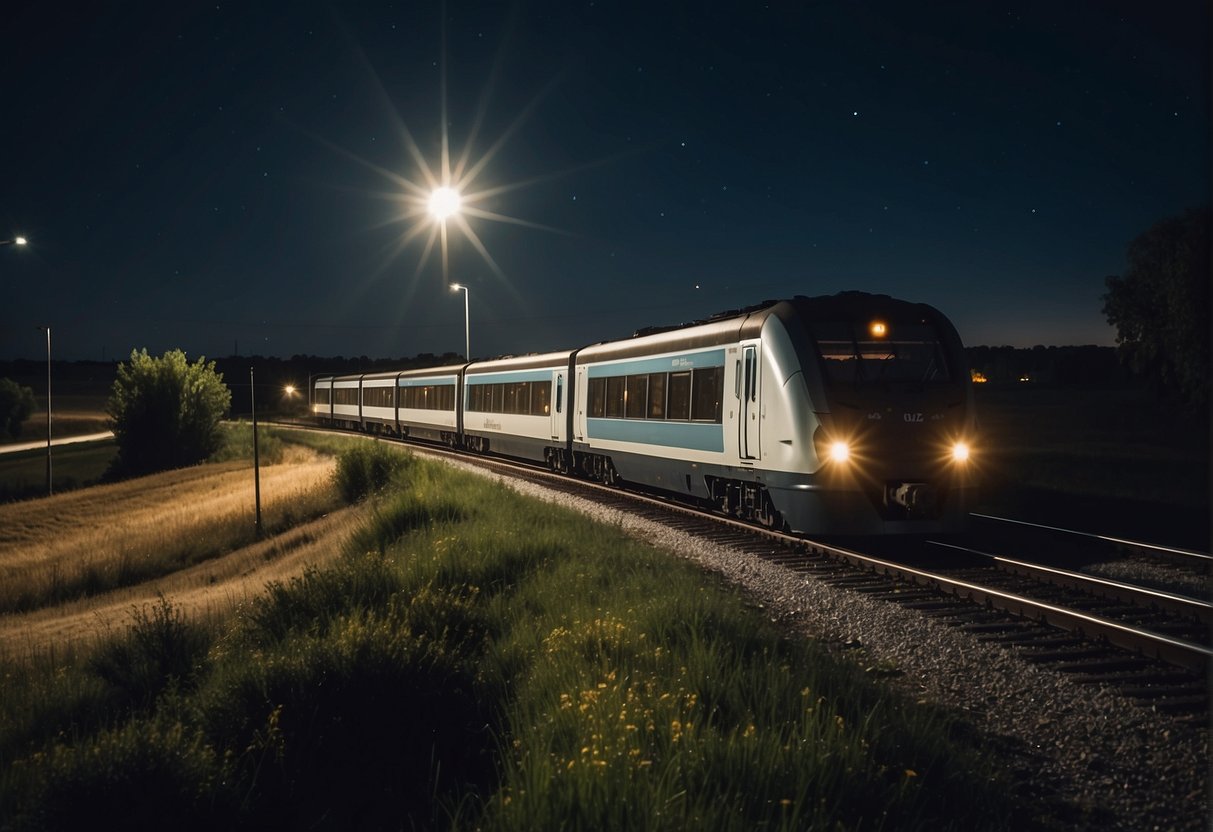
1109	633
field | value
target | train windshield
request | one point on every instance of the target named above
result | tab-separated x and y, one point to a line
899	353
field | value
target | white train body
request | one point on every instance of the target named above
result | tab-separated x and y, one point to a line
847	414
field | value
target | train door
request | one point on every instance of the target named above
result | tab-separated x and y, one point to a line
558	403
750	403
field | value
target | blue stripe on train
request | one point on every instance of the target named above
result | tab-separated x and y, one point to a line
697	436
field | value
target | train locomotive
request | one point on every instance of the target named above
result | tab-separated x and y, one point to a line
843	414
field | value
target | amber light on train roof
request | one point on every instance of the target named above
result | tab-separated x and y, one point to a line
878	329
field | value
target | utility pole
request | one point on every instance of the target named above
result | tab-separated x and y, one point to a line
256	458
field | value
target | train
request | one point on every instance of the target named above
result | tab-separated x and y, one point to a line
845	414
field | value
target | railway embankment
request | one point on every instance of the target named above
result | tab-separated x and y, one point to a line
478	658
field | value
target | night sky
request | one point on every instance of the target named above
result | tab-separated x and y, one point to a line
232	177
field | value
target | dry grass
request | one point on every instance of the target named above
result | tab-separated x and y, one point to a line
188	531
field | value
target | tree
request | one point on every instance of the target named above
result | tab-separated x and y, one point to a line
165	412
1160	306
16	404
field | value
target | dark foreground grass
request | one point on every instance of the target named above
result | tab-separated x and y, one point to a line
479	660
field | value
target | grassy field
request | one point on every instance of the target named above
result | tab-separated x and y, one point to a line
474	659
1109	460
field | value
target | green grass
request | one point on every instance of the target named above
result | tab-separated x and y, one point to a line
1117	443
238	443
480	660
23	474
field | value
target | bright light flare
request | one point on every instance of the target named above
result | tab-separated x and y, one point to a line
289	389
840	452
20	241
878	329
960	452
444	203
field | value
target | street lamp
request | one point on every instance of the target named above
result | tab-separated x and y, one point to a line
467	331
16	241
47	329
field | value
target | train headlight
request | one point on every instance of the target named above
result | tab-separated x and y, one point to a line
960	452
840	452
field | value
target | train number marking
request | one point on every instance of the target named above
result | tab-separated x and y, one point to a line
913	417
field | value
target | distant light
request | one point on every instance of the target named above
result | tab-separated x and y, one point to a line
839	452
20	241
289	389
444	202
456	287
960	452
878	329
978	377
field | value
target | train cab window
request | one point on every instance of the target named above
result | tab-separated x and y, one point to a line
656	395
637	396
615	397
321	396
911	352
706	394
678	405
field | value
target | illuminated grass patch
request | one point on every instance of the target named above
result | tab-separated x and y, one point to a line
481	660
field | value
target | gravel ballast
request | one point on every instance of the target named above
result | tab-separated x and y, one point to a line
1088	757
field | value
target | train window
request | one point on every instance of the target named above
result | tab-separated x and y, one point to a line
509	397
657	395
321	396
597	398
496	398
706	392
614	397
636	395
559	394
541	393
377	397
345	395
679	402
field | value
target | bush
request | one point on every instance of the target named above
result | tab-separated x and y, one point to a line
367	468
165	412
161	649
16	405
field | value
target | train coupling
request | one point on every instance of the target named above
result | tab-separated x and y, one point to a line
914	497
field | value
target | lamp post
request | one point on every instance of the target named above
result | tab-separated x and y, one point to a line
252	400
467	331
16	241
47	330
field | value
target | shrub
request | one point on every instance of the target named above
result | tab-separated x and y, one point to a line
367	468
16	404
161	649
165	412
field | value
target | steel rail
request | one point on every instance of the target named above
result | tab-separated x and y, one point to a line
1101	587
1171	650
1138	544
